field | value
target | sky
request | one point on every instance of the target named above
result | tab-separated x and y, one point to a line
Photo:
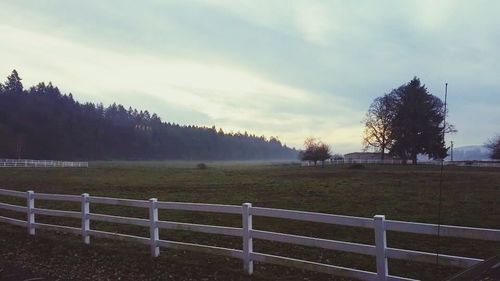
291	69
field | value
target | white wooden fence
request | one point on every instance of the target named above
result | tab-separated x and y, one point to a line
28	163
367	161
485	164
379	224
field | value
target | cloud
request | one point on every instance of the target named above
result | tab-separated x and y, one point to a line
292	69
225	96
314	22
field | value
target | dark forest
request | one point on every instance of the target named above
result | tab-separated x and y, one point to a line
42	123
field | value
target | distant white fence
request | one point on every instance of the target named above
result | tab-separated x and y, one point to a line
28	163
355	161
485	164
368	161
379	250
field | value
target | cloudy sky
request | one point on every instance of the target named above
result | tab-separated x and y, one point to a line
286	68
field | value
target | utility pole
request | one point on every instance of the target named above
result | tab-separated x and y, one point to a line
444	116
440	198
451	151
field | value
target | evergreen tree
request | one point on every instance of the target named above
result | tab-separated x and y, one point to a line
408	121
494	146
417	126
43	123
13	83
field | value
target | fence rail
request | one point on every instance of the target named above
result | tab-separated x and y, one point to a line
28	163
379	250
474	163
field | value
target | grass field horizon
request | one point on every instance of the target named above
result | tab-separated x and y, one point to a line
410	193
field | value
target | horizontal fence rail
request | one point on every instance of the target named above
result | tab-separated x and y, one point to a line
474	163
119	202
313	217
379	250
28	163
215	208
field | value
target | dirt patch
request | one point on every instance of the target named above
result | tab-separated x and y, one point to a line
13	272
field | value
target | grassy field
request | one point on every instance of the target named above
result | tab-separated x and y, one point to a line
471	197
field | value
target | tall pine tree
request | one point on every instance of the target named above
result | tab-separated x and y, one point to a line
417	126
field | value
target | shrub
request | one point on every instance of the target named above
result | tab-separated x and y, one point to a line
201	166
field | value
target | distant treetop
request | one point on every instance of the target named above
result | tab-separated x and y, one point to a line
42	123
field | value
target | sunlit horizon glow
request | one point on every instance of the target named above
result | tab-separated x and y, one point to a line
294	70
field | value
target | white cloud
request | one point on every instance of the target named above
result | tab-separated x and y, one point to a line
233	98
287	68
314	21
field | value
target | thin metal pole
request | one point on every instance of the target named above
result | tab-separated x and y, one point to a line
441	178
445	106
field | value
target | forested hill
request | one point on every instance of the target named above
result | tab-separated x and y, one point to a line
42	123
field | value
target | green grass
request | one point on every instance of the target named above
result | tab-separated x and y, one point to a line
471	197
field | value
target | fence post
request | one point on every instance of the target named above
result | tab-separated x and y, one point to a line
153	227
30	205
85	218
247	239
381	247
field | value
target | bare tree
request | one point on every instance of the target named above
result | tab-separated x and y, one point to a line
377	123
308	153
322	153
315	151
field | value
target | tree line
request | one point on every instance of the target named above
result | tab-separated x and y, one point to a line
406	122
42	123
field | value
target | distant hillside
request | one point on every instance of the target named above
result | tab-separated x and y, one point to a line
42	123
471	152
